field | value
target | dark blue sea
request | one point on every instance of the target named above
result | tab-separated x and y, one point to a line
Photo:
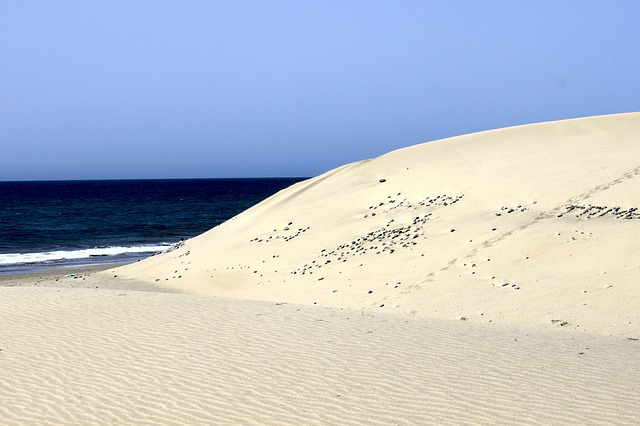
73	223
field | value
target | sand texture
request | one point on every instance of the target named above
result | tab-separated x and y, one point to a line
491	278
536	225
87	356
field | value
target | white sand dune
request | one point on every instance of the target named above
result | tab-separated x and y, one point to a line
87	356
339	299
535	225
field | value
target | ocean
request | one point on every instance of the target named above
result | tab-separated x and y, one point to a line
77	223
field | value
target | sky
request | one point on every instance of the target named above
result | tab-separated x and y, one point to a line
220	89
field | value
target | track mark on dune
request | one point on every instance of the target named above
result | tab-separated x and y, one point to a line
553	213
599	188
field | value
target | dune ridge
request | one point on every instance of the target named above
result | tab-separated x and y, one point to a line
535	225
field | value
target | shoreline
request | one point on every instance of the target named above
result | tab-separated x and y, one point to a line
37	266
51	274
88	276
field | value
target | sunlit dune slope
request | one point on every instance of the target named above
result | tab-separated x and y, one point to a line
535	224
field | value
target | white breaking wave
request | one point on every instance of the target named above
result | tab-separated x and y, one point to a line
62	255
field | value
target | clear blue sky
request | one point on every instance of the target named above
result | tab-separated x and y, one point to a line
171	89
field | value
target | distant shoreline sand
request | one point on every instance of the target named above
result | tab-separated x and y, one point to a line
71	277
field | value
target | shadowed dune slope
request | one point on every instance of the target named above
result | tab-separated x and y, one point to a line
535	225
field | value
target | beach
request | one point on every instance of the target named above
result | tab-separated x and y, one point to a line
96	356
490	278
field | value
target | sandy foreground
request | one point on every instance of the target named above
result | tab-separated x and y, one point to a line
491	278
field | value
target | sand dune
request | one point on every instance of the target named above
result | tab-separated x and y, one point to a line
87	356
471	280
535	225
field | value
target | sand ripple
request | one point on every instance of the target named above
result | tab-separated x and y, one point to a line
81	356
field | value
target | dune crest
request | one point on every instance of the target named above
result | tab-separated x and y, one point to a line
536	225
